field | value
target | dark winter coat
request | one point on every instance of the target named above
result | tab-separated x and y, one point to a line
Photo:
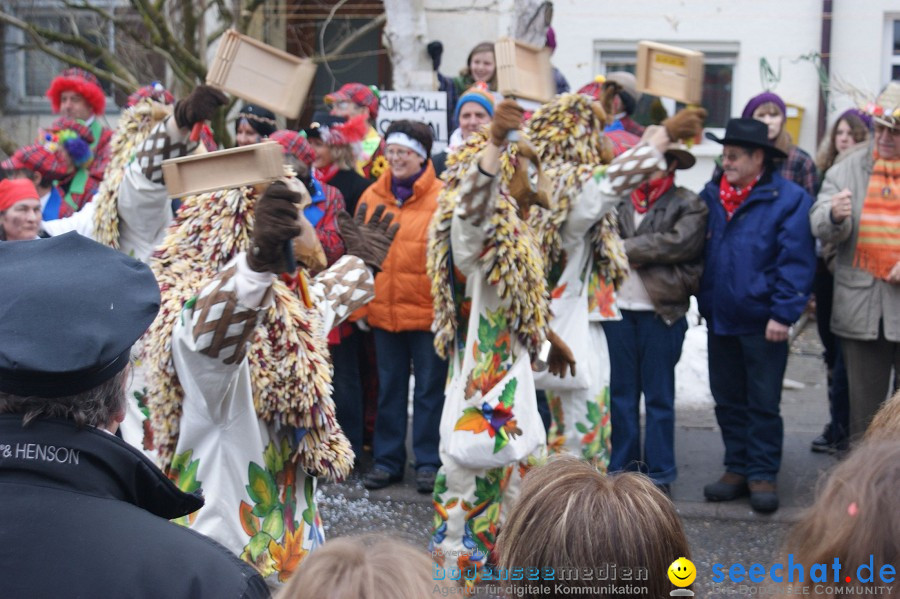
759	265
86	515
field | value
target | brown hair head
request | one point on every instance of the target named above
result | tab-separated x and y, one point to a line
479	49
362	568
584	519
855	514
827	152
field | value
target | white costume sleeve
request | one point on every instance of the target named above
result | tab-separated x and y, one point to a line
608	186
82	222
211	336
338	291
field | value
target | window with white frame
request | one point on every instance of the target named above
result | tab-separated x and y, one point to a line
718	76
28	71
892	48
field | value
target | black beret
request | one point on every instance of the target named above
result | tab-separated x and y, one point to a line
70	310
322	119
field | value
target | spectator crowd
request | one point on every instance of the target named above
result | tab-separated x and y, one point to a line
507	302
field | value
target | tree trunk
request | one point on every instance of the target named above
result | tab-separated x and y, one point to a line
406	36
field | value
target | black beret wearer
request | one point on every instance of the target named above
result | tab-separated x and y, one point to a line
261	120
70	310
320	120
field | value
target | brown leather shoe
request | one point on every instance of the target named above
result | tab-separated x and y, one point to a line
728	488
763	496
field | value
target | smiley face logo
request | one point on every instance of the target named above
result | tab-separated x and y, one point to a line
682	572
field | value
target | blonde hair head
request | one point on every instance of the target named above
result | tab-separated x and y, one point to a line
885	425
855	513
571	516
362	568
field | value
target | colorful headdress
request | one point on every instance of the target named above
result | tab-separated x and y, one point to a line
886	108
73	137
296	145
39	159
155	91
81	82
359	94
337	130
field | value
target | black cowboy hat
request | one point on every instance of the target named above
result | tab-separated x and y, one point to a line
748	133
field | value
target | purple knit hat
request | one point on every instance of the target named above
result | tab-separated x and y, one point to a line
865	118
757	101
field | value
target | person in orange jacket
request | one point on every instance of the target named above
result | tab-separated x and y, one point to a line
401	313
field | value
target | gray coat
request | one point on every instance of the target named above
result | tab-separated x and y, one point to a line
860	300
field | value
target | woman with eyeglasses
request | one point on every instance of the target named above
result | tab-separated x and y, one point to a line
401	313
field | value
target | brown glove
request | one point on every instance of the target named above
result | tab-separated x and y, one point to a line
277	223
528	185
199	106
608	94
561	357
369	241
507	117
685	124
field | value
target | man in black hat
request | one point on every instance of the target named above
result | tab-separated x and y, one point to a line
759	265
85	514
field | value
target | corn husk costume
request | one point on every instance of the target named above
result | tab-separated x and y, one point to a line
240	382
130	212
491	308
581	247
581	244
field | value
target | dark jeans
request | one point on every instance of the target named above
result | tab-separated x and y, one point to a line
746	374
348	393
395	351
643	352
838	389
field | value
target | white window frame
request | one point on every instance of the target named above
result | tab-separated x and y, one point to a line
890	59
625	52
17	102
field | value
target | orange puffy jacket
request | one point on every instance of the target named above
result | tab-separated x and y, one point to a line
402	288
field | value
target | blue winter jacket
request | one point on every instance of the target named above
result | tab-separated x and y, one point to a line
760	264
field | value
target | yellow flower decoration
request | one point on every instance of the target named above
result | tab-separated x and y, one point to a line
379	165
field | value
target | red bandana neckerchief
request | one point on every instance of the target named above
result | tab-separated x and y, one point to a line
646	194
878	244
324	175
732	198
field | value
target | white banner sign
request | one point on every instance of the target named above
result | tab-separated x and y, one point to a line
427	107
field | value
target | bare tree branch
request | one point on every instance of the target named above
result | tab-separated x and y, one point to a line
116	74
247	13
157	23
346	42
351	56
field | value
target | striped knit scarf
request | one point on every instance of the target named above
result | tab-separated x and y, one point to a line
878	245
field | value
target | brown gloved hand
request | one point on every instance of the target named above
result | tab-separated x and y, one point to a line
528	185
608	93
277	222
369	241
200	105
507	117
685	124
561	357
